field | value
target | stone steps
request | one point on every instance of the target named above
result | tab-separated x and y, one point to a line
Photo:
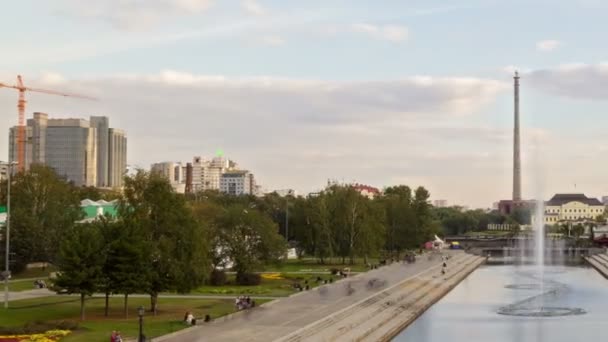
384	327
599	264
348	323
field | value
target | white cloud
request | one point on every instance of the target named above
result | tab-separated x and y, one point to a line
392	33
574	80
134	14
253	7
272	40
547	45
325	128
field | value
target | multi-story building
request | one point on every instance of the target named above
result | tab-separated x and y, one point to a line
440	203
366	190
71	150
117	157
572	207
174	172
84	152
3	172
219	174
102	126
238	182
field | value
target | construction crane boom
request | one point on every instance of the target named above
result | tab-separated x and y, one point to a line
21	111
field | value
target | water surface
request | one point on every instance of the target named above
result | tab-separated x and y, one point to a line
469	312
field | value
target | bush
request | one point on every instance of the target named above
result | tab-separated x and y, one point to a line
218	278
334	271
248	279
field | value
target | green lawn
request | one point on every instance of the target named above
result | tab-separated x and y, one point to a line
35	273
20	285
98	328
312	265
269	287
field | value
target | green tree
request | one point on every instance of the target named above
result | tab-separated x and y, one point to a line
248	238
400	218
80	262
122	270
175	245
44	207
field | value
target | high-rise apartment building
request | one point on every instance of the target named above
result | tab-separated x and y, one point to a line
117	157
84	152
102	124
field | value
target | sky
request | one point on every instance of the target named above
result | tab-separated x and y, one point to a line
376	92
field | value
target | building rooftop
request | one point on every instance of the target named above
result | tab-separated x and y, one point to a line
561	199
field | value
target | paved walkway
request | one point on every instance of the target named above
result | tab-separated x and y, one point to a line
47	293
29	294
282	317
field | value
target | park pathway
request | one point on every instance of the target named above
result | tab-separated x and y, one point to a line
285	316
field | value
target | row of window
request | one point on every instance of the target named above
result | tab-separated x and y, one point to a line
574	210
556	219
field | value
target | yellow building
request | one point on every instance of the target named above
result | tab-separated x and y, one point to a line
572	207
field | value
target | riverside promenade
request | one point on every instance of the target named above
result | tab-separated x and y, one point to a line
349	309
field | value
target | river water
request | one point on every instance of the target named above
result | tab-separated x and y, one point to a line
470	311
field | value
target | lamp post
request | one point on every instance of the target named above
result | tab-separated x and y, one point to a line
140	313
7	238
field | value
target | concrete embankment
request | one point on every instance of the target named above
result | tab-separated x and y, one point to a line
599	262
383	315
282	317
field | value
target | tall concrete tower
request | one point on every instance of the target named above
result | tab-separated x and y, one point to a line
516	154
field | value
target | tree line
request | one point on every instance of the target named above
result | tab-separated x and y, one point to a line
162	241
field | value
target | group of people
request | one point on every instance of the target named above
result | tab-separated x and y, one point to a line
189	318
39	284
115	337
244	302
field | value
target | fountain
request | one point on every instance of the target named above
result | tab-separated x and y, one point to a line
548	290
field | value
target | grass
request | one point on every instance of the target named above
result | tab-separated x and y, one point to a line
313	265
35	273
20	285
280	287
96	327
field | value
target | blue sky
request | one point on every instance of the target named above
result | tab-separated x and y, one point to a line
379	92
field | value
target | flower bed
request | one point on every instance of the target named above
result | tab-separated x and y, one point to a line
49	336
273	276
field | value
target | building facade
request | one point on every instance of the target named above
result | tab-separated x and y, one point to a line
219	174
117	157
71	150
572	207
102	126
366	190
237	182
3	172
84	152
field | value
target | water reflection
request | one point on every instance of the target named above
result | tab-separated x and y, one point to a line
469	312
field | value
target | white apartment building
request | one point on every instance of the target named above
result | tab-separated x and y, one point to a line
208	175
238	182
174	172
572	207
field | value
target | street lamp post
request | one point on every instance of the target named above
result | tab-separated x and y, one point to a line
140	313
287	219
7	238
